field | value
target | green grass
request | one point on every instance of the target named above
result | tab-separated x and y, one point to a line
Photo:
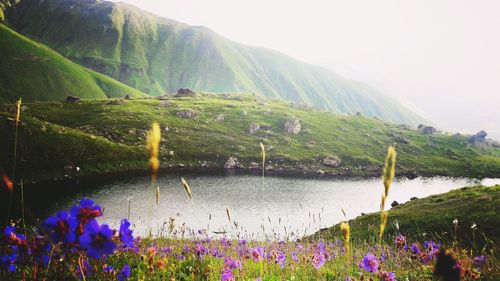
432	218
36	73
53	134
157	56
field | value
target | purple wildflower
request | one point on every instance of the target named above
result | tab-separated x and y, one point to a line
227	275
97	240
294	256
281	259
60	228
231	263
400	240
257	254
387	276
124	273
126	233
369	263
318	260
84	213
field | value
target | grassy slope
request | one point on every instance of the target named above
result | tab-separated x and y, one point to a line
36	73
359	141
157	55
434	216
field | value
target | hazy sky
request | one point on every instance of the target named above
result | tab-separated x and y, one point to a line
440	57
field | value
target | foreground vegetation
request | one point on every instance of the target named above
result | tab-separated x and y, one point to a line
58	139
73	245
469	216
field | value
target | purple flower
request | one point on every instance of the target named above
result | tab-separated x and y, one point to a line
200	249
8	262
257	254
60	228
281	259
97	240
294	256
227	275
126	233
479	260
369	263
431	246
231	263
415	250
318	260
84	213
400	240
107	269
387	276
124	273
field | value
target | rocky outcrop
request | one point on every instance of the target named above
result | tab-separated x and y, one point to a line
478	138
429	130
72	99
186	113
332	161
232	163
185	93
254	128
400	139
394	204
292	126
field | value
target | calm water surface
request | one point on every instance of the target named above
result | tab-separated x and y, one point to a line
270	208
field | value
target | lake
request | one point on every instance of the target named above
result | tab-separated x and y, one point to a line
270	208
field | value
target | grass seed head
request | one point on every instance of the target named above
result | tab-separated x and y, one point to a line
186	187
153	141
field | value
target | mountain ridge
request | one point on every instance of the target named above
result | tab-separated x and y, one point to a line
158	56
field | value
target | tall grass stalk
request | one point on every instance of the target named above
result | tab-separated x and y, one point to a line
263	154
153	144
18	115
388	176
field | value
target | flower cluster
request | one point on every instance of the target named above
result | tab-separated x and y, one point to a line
76	233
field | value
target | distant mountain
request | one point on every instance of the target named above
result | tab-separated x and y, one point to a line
36	73
158	55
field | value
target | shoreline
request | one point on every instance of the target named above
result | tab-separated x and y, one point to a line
218	171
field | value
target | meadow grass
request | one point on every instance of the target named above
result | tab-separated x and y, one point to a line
104	136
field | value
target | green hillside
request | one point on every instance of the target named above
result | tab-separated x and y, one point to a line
102	136
157	56
432	218
36	73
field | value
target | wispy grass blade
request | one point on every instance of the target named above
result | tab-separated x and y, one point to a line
388	176
186	187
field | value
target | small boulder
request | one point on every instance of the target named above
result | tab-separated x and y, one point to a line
413	198
185	93
480	137
254	128
127	97
219	118
254	166
72	99
332	161
165	103
186	113
394	204
232	163
292	126
400	138
429	130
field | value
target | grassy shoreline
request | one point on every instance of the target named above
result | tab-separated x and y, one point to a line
108	136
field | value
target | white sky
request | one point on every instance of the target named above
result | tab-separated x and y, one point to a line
441	57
